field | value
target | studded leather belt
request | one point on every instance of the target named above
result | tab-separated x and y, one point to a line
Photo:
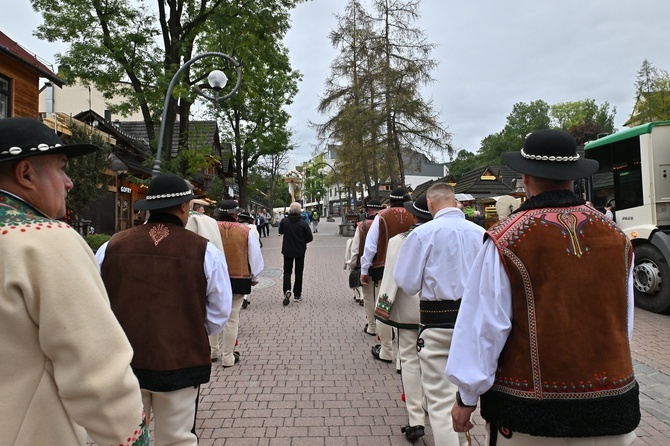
439	313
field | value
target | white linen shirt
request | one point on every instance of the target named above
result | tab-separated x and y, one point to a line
437	256
484	323
219	293
370	248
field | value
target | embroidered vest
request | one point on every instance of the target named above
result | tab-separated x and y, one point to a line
392	221
235	238
566	368
156	283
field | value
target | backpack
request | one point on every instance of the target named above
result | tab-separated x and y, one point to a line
315	215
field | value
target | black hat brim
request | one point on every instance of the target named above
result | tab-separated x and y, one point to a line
552	170
409	205
163	203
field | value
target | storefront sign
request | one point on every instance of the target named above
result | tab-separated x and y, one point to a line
125	190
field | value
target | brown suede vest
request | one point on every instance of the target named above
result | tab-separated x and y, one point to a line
363	228
392	221
566	368
156	283
235	238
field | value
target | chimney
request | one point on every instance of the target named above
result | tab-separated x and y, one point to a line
108	116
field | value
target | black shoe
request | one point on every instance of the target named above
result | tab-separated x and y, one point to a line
245	304
236	355
365	330
375	353
297	298
287	297
413	433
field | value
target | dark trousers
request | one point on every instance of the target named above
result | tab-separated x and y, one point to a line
288	270
265	230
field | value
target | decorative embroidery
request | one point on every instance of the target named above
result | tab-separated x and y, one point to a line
18	215
158	233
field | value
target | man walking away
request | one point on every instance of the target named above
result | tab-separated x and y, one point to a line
296	234
434	262
543	334
169	289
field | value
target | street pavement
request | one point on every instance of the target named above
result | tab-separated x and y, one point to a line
306	375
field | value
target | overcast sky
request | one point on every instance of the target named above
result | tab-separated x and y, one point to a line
491	53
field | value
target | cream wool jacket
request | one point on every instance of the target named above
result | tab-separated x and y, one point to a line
65	361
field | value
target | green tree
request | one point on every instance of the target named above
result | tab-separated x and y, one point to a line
255	120
145	42
464	161
652	95
584	120
377	114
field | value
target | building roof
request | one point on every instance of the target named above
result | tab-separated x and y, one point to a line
16	51
485	182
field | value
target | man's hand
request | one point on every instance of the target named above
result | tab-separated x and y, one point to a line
365	279
460	418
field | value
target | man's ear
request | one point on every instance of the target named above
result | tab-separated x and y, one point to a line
24	173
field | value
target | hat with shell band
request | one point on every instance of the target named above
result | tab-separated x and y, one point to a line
165	191
24	137
399	195
419	208
374	204
550	154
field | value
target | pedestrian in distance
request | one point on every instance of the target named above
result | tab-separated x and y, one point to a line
169	288
314	218
297	235
542	339
434	262
65	369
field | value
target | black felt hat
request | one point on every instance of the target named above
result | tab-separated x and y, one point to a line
165	191
24	137
228	207
245	216
550	154
399	194
374	204
419	207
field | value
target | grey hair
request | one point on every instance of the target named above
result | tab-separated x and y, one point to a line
295	208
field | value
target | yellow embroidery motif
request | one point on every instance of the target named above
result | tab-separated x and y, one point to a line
158	233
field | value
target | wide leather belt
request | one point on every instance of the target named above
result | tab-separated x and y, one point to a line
439	313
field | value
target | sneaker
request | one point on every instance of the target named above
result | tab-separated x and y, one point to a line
287	297
245	304
297	298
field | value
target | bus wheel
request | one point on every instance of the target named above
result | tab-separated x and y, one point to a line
652	279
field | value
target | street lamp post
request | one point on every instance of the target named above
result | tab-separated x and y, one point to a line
217	80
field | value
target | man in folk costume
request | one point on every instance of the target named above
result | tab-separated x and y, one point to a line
207	227
372	208
404	316
65	361
435	261
543	335
169	289
389	223
245	263
247	219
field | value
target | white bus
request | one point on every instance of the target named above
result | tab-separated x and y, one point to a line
634	176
